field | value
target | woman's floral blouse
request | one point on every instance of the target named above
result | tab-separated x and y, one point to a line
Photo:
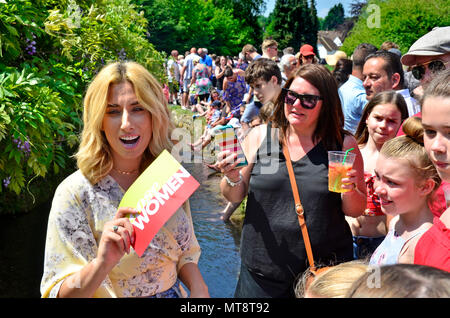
79	211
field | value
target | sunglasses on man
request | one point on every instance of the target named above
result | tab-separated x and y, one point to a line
306	100
434	66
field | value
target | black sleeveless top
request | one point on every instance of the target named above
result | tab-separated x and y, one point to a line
220	80
272	243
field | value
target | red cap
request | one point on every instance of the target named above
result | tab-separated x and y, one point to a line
307	50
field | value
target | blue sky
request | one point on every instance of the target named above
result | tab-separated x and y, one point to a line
322	6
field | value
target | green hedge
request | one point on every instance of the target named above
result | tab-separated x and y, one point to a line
402	22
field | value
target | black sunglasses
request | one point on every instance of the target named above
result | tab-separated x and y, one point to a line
307	101
435	66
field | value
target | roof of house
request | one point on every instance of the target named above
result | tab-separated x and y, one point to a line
327	42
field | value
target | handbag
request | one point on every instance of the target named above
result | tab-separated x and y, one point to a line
301	220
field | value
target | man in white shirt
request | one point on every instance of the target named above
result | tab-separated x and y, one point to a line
173	77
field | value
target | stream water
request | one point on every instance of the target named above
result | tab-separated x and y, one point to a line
22	242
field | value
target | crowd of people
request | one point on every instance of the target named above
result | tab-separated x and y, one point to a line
386	235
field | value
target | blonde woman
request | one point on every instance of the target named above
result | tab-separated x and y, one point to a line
88	254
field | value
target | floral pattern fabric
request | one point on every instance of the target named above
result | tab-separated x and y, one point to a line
234	94
202	83
77	216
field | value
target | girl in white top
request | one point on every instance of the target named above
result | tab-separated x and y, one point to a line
405	180
380	121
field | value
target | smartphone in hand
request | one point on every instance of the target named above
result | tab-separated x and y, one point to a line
227	139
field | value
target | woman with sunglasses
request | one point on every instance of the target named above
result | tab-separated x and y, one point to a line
308	121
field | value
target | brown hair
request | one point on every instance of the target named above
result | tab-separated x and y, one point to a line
402	281
361	52
331	119
262	69
228	71
385	97
388	45
248	48
268	43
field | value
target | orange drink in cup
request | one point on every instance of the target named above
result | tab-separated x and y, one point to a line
339	164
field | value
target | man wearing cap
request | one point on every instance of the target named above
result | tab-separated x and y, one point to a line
307	54
429	55
352	92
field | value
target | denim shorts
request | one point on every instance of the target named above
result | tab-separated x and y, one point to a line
363	246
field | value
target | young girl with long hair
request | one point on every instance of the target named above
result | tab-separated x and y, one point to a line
380	121
405	180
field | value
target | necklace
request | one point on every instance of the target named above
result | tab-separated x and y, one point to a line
126	172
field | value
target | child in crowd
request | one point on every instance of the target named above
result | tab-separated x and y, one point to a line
264	76
205	139
380	121
203	107
433	249
332	283
405	180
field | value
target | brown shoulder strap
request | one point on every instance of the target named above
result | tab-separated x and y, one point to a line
299	209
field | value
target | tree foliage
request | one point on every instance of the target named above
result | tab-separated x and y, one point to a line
294	23
223	27
402	22
334	17
50	50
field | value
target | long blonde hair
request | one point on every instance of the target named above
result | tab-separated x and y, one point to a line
94	155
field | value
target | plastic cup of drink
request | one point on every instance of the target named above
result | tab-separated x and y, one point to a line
338	169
